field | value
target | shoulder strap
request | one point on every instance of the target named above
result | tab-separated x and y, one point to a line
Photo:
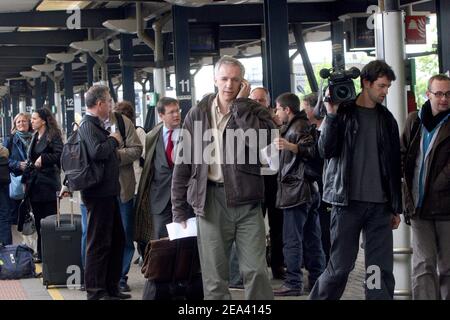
121	125
415	127
10	142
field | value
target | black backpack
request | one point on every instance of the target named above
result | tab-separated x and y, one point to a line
81	173
121	126
4	171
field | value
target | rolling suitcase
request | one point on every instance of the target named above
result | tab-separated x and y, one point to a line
61	249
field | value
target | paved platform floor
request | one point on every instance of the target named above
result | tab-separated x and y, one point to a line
33	289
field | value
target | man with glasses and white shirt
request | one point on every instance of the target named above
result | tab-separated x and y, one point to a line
426	171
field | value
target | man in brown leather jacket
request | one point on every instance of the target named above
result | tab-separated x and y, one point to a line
294	195
426	170
225	193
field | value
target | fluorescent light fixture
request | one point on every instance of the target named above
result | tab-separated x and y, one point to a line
30	74
48	67
229	51
61	57
206	61
115	44
77	65
88	45
122	25
3	90
199	3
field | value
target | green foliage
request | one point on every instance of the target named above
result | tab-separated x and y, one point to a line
426	66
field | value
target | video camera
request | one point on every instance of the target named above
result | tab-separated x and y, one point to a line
340	86
340	83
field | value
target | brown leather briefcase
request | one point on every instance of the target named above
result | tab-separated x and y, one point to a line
175	260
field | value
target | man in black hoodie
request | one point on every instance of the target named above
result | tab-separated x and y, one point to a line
294	194
105	234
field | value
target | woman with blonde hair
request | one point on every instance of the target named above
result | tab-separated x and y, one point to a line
17	144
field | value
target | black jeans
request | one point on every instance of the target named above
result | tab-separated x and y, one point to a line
104	250
346	224
40	211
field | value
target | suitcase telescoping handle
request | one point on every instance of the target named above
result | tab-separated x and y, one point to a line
58	210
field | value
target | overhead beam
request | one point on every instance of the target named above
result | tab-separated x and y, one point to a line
17	62
91	18
43	38
297	12
239	33
27	51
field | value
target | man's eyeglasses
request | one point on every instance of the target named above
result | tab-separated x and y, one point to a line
440	94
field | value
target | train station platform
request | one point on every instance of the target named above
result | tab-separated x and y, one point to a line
33	289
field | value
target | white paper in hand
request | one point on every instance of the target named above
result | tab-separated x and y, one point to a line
176	230
270	156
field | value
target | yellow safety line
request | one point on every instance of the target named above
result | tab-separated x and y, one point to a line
53	292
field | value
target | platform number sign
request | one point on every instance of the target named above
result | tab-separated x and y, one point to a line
185	86
70	104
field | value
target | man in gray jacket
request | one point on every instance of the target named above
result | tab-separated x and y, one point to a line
225	195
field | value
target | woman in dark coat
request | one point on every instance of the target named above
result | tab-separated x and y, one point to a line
42	176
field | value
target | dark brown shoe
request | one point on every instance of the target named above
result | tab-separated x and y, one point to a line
284	291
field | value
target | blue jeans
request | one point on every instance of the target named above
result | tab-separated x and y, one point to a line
5	217
127	215
294	220
83	233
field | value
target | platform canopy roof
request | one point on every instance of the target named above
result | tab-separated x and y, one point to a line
30	29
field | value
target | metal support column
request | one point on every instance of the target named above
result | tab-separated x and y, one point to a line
443	24
15	105
390	46
111	89
181	55
90	62
277	46
83	103
126	58
51	94
298	34
38	93
337	43
68	97
8	114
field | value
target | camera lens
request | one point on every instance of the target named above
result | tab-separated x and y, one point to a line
343	92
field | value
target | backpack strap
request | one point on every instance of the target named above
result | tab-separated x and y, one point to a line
415	128
121	125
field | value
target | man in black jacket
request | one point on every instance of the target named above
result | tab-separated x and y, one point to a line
360	142
105	234
294	194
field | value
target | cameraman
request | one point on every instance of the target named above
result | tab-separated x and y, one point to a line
360	142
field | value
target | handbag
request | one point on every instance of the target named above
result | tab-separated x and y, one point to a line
25	222
29	226
16	187
167	260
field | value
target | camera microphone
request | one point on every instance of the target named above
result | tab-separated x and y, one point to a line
324	73
353	72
